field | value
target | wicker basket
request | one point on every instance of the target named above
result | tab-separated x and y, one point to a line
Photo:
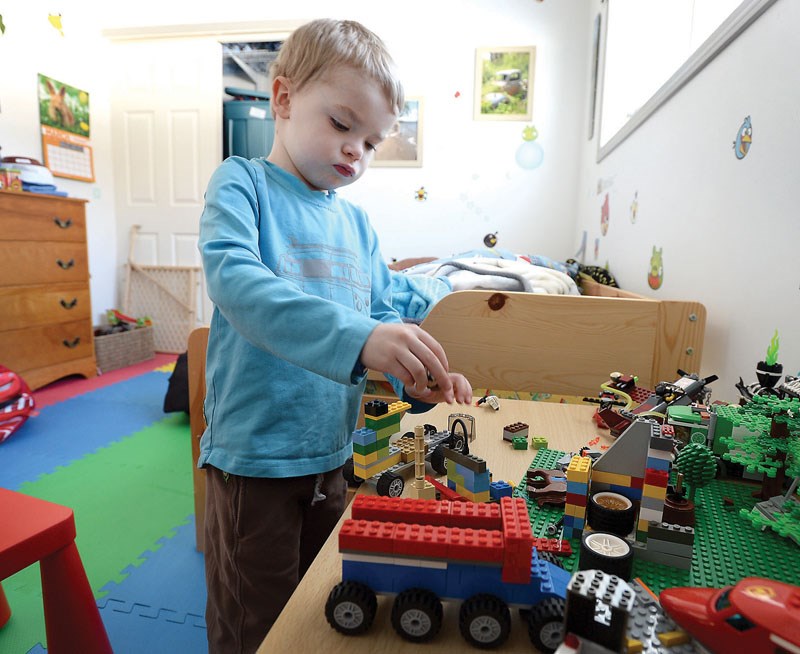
124	348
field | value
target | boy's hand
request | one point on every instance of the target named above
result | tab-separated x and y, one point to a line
462	390
409	353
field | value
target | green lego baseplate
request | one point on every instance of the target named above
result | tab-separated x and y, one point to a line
727	546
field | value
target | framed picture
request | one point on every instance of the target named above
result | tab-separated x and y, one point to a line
403	146
504	83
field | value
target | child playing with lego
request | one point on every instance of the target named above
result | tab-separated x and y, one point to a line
302	308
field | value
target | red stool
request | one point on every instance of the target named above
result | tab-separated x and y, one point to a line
35	530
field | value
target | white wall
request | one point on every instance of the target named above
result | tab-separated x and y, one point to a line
473	182
729	228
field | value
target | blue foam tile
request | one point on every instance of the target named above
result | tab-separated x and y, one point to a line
67	431
130	633
169	584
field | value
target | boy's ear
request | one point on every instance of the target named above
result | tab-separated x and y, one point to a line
281	96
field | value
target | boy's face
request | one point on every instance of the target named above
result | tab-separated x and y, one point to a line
327	131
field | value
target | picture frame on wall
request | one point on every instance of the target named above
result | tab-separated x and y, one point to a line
504	78
403	146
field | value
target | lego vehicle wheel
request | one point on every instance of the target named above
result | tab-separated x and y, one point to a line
390	484
611	512
349	474
417	615
439	460
550	557
546	624
484	621
459	437
607	552
351	607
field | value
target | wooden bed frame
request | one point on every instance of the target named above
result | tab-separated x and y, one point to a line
565	344
526	342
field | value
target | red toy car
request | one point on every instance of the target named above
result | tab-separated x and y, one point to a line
755	615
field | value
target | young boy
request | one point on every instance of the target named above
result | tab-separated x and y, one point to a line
302	308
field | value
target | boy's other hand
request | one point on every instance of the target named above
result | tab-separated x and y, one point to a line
409	353
462	391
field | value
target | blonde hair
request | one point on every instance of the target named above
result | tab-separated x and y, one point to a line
316	47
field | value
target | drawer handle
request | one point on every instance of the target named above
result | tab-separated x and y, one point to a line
65	265
73	343
69	305
63	224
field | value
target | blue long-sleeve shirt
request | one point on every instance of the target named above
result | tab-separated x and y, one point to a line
298	284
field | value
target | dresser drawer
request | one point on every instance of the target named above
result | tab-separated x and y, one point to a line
25	306
34	347
23	262
32	217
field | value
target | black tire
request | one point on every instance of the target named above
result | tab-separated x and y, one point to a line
459	441
390	484
612	520
417	615
349	474
429	429
439	460
351	608
607	552
546	624
551	558
484	621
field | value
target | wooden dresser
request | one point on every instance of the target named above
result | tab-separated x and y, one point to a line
45	307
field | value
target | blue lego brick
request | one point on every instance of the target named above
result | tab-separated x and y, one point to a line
364	436
498	489
626	491
578	487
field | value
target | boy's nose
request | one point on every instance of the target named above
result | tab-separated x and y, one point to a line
353	150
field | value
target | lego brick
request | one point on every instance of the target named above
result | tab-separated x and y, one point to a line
401	509
627	491
647	554
515	429
519	443
476	545
376	408
516	521
667	547
575	499
658	492
476	515
364	460
577	487
579	468
650	514
498	489
474	463
661	442
653	477
474	496
366	536
669	457
658	464
611	478
364	436
637	482
654	503
368	448
553	545
539	442
672	533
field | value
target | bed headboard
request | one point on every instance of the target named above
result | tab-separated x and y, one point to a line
565	344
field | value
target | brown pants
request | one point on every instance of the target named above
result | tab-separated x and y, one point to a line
261	535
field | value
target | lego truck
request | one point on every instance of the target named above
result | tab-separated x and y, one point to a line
422	552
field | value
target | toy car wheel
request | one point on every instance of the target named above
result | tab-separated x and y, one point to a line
439	460
349	474
417	615
390	484
459	439
546	624
607	552
351	608
611	512
484	621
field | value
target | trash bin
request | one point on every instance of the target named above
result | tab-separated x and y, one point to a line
248	128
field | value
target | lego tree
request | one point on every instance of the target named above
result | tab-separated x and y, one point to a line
774	446
698	465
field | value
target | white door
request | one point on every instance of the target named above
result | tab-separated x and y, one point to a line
166	119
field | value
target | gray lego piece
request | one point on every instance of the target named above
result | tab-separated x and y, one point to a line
666	547
661	442
651	503
669	532
645	553
648	620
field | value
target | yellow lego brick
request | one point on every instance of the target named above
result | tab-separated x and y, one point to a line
365	472
579	512
633	646
654	491
674	638
611	478
365	460
483	496
579	468
643	525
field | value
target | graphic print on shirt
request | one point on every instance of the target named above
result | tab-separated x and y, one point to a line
326	271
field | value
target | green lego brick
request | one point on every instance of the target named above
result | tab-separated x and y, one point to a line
520	442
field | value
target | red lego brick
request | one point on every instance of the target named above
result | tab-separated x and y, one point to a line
476	545
668	430
478	515
576	499
637	482
516	521
401	509
366	536
654	477
552	545
428	541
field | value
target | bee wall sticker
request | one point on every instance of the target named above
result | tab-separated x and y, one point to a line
744	139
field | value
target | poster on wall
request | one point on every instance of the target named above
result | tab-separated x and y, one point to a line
64	117
504	83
